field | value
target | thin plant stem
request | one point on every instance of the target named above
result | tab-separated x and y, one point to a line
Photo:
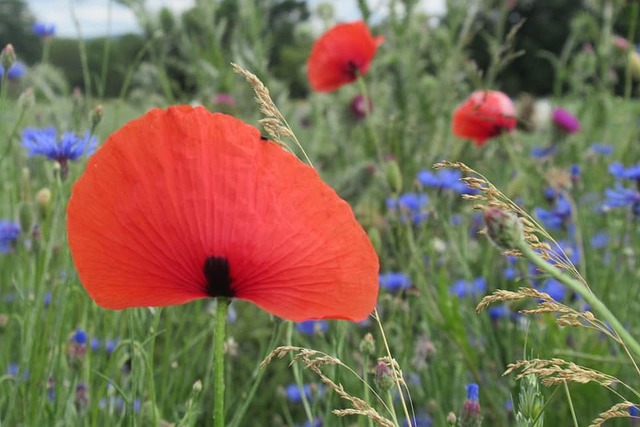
578	287
372	139
222	307
396	377
571	408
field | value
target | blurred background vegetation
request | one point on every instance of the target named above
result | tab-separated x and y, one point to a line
551	33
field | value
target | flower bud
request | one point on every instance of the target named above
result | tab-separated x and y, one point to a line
7	56
393	176
96	116
503	228
27	99
368	345
383	377
452	419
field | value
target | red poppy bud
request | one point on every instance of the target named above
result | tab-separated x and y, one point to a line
182	204
483	115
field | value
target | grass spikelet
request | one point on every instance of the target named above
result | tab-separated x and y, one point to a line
558	371
274	122
621	410
315	360
491	196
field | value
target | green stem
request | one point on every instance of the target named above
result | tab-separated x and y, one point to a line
571	408
218	361
578	287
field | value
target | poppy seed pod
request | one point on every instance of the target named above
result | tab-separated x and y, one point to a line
183	204
483	115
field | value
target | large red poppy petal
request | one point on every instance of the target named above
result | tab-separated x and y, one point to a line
338	54
176	187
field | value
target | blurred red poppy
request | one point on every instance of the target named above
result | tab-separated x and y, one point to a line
340	55
182	204
483	115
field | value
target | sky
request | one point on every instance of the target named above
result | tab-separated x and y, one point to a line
93	15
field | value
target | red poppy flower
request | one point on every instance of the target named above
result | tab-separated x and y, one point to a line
182	204
483	115
340	55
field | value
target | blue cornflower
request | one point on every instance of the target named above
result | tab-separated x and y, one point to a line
393	281
555	289
44	142
473	392
600	240
47	299
463	288
411	207
470	414
43	30
510	272
94	344
544	151
621	197
620	172
311	327
110	345
16	71
419	421
559	216
79	337
602	149
294	393
444	179
13	370
499	312
576	171
317	422
9	232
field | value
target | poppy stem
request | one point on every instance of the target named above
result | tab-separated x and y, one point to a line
222	306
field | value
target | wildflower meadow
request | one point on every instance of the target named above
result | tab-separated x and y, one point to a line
257	213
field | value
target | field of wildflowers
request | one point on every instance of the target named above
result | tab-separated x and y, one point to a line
241	257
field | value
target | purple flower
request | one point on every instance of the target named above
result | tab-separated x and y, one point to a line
224	99
311	327
565	121
9	232
393	282
43	30
359	108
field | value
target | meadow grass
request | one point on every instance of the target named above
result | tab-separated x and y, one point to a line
154	366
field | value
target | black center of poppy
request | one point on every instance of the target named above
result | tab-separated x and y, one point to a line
352	69
216	270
